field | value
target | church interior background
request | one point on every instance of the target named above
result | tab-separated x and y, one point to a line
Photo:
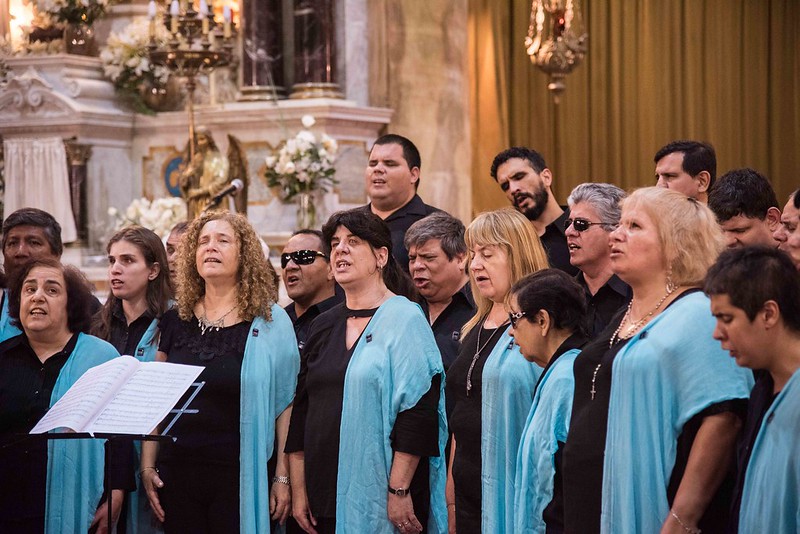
452	75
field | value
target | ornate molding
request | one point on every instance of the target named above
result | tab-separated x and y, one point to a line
31	96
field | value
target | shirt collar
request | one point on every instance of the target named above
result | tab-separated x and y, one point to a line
558	224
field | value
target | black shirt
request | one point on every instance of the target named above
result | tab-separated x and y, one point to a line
126	337
761	398
554	242
465	423
26	389
212	435
400	221
603	305
317	415
584	451
447	326
302	324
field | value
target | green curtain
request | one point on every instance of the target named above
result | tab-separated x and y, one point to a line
724	71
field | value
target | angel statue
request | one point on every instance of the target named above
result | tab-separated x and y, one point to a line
209	173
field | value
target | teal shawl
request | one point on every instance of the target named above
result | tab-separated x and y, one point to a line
75	466
770	498
269	376
507	392
547	424
140	518
392	366
7	330
668	372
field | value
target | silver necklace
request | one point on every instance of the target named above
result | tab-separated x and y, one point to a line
205	324
478	350
631	329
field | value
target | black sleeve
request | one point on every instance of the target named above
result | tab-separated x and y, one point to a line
416	430
167	325
121	466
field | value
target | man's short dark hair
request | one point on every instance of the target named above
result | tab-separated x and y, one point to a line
796	199
744	192
80	301
410	151
40	219
697	157
535	159
442	226
325	246
751	276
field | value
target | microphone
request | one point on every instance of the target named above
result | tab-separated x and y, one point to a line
234	187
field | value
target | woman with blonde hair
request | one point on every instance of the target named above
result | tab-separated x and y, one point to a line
657	403
215	477
490	382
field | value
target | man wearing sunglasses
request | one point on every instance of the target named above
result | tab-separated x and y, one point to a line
523	176
594	213
308	278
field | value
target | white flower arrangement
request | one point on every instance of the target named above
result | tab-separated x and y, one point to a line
73	11
159	215
304	163
126	60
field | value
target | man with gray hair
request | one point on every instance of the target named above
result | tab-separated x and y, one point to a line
594	213
437	261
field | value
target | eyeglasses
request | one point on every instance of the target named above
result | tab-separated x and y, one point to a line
514	317
301	257
581	225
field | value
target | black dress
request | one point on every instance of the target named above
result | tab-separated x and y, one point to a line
465	424
317	415
582	465
201	470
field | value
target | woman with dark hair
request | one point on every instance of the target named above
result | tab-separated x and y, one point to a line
547	310
490	383
657	403
369	406
54	486
139	295
215	477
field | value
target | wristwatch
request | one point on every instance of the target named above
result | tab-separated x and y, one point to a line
400	492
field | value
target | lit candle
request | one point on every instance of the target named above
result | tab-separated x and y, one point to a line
226	28
174	11
151	9
203	14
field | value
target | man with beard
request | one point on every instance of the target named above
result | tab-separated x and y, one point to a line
526	181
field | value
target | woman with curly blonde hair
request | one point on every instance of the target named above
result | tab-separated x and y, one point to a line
490	381
227	321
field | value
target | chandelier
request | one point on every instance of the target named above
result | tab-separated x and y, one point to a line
556	40
197	46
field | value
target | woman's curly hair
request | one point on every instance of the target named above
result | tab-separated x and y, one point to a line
257	290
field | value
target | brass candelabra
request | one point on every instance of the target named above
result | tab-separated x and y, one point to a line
198	45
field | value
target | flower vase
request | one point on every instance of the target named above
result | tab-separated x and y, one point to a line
158	97
306	211
79	39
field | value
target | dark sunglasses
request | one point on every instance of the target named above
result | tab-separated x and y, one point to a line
301	257
581	225
515	317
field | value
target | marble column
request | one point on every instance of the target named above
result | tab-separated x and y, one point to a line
262	53
314	50
77	158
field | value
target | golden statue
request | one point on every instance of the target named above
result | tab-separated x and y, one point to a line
209	173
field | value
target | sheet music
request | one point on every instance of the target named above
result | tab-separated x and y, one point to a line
146	398
145	393
86	397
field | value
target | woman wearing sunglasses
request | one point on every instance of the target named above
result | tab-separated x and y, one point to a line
657	403
369	407
490	383
547	310
216	477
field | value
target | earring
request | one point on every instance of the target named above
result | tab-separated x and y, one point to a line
671	286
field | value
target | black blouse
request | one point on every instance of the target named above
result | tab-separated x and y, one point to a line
126	337
585	448
465	423
317	415
212	434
